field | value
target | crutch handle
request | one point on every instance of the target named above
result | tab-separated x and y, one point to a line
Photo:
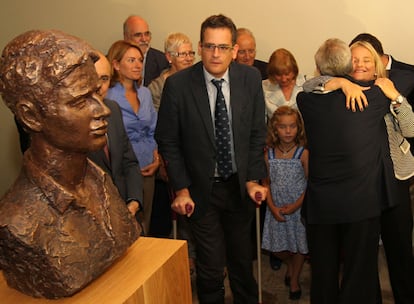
188	208
258	198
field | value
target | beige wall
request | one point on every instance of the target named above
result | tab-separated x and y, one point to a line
300	26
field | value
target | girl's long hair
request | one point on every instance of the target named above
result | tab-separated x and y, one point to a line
272	139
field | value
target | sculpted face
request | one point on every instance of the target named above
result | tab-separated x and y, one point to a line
75	121
54	96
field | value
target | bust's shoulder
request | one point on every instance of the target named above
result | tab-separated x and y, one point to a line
23	207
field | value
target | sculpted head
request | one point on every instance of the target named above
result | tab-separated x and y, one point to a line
48	80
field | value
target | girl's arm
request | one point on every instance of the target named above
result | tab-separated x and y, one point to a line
276	211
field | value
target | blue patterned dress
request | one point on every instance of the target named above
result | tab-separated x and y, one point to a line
287	183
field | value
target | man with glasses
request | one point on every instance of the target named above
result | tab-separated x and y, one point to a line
215	178
136	30
247	51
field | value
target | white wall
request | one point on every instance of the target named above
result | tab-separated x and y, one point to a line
300	26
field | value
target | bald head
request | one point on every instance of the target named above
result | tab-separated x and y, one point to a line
136	30
247	47
103	69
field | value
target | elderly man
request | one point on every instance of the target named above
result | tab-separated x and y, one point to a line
63	222
136	30
247	51
350	180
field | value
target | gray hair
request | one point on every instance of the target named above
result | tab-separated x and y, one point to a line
245	31
174	41
334	58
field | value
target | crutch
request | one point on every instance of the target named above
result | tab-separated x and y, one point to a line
174	216
173	213
258	197
174	224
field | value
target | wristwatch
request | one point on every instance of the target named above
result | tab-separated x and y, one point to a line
397	100
320	88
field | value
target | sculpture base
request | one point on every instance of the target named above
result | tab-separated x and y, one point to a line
152	271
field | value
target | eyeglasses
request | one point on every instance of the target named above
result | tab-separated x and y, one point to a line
190	54
248	51
222	48
140	35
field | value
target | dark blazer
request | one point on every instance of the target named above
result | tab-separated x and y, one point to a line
395	64
124	167
155	63
262	67
185	131
351	176
407	81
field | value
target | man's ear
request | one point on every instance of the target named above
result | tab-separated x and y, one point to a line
234	51
28	114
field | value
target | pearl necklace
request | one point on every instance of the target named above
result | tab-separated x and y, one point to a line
285	152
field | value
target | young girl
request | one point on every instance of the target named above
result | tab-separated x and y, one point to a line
287	159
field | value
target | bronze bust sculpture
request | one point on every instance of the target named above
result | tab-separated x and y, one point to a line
63	222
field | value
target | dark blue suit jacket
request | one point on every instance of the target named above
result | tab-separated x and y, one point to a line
404	84
123	167
351	176
262	67
155	63
185	131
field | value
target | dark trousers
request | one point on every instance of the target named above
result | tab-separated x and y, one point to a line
222	238
161	220
357	245
396	235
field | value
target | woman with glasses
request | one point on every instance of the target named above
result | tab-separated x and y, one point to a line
180	55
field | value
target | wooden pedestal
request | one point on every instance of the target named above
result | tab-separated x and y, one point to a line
153	271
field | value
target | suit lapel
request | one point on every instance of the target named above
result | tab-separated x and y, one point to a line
198	86
236	97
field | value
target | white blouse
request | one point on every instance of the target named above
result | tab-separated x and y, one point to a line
274	97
